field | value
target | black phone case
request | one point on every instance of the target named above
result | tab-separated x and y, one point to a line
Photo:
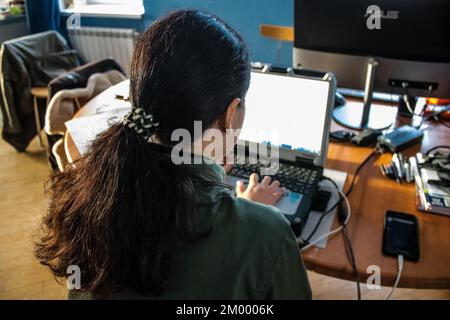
412	257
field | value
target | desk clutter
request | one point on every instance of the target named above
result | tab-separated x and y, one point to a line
392	141
431	174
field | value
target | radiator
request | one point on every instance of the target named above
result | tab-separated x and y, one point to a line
101	43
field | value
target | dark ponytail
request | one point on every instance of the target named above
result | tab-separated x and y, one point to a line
114	213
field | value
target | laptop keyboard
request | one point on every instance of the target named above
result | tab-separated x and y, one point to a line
297	179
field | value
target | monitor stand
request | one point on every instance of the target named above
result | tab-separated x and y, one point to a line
366	115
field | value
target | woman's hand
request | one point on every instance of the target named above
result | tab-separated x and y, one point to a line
266	192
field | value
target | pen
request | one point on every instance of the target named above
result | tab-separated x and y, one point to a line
412	167
383	170
407	172
397	167
419	159
396	173
122	97
419	184
423	198
401	160
390	171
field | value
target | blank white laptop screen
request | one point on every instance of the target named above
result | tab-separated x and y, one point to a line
286	111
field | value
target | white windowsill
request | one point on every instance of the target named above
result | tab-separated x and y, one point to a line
108	11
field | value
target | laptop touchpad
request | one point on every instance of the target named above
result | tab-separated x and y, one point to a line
288	204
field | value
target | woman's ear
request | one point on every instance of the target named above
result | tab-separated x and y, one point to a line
231	118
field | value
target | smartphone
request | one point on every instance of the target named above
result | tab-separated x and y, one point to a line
401	235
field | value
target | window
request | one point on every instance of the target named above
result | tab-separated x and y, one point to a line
133	9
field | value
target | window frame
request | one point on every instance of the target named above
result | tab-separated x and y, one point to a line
106	10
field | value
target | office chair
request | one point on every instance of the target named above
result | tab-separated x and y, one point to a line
75	79
279	33
28	64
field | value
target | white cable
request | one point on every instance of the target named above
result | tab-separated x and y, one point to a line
335	231
399	274
408	105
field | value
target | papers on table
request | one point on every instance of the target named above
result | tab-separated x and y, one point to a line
84	130
325	227
437	199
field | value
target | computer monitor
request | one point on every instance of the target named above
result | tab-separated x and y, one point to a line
392	46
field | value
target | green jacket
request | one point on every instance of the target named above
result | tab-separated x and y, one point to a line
251	253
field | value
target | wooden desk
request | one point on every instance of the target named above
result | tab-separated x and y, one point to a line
372	196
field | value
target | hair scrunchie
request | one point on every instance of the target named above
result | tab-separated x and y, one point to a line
142	123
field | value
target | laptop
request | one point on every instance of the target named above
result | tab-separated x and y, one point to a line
292	112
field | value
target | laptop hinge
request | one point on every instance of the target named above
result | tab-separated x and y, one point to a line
305	161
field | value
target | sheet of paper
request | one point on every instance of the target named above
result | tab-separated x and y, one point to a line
84	130
325	227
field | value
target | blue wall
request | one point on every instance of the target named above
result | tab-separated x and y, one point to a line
244	15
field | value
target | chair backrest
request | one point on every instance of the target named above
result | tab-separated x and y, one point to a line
45	55
26	62
280	33
77	78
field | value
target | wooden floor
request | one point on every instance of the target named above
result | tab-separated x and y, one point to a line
22	204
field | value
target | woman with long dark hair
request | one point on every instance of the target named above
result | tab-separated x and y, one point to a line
137	225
